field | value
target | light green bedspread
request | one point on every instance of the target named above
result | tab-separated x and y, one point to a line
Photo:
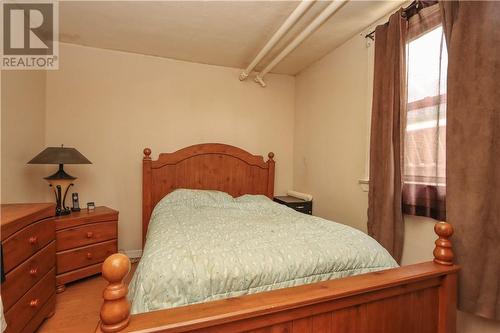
205	245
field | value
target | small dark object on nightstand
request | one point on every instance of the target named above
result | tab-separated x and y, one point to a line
90	206
295	203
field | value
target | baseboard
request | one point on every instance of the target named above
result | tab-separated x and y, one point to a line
132	254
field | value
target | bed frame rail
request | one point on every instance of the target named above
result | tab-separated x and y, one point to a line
411	299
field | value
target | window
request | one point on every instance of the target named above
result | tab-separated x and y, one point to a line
424	172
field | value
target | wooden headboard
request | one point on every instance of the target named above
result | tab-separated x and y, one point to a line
208	166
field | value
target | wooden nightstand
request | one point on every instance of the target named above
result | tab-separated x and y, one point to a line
83	240
295	203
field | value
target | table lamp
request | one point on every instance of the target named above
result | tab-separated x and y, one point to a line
60	181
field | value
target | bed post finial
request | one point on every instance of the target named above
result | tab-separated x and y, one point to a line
443	253
115	311
270	155
147	153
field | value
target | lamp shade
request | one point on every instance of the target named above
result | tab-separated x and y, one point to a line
59	155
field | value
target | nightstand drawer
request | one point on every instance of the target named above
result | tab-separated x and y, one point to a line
26	242
85	235
26	308
83	217
22	278
301	207
84	256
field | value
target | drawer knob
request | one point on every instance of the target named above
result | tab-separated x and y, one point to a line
90	234
34	271
33	240
34	302
89	255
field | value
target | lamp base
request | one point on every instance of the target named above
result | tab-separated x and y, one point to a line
62	211
61	182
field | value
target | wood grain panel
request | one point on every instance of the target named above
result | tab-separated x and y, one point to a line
411	312
26	242
280	328
303	325
322	323
448	304
211	172
210	166
342	319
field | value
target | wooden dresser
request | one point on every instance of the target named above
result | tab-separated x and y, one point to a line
28	258
83	240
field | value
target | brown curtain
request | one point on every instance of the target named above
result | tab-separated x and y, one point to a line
385	217
472	30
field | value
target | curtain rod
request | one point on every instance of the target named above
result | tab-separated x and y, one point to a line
408	12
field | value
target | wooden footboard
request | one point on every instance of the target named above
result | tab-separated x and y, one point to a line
411	299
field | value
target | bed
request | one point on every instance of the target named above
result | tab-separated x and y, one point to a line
271	269
206	245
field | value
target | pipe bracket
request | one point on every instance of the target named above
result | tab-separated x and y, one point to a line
260	81
243	76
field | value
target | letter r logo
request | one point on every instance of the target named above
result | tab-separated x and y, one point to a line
28	29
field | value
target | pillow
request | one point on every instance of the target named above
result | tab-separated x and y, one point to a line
257	198
195	197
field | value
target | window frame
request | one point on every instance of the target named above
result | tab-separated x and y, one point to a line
422	198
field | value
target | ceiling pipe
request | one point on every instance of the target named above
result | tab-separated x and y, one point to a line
322	17
289	22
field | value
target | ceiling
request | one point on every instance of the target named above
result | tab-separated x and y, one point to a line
226	33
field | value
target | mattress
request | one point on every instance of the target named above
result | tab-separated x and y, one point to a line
206	245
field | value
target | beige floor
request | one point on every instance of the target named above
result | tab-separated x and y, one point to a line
77	308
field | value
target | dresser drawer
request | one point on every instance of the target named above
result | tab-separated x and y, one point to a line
27	307
45	312
85	256
23	277
85	235
26	242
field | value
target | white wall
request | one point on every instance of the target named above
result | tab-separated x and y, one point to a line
23	136
332	116
330	133
110	105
